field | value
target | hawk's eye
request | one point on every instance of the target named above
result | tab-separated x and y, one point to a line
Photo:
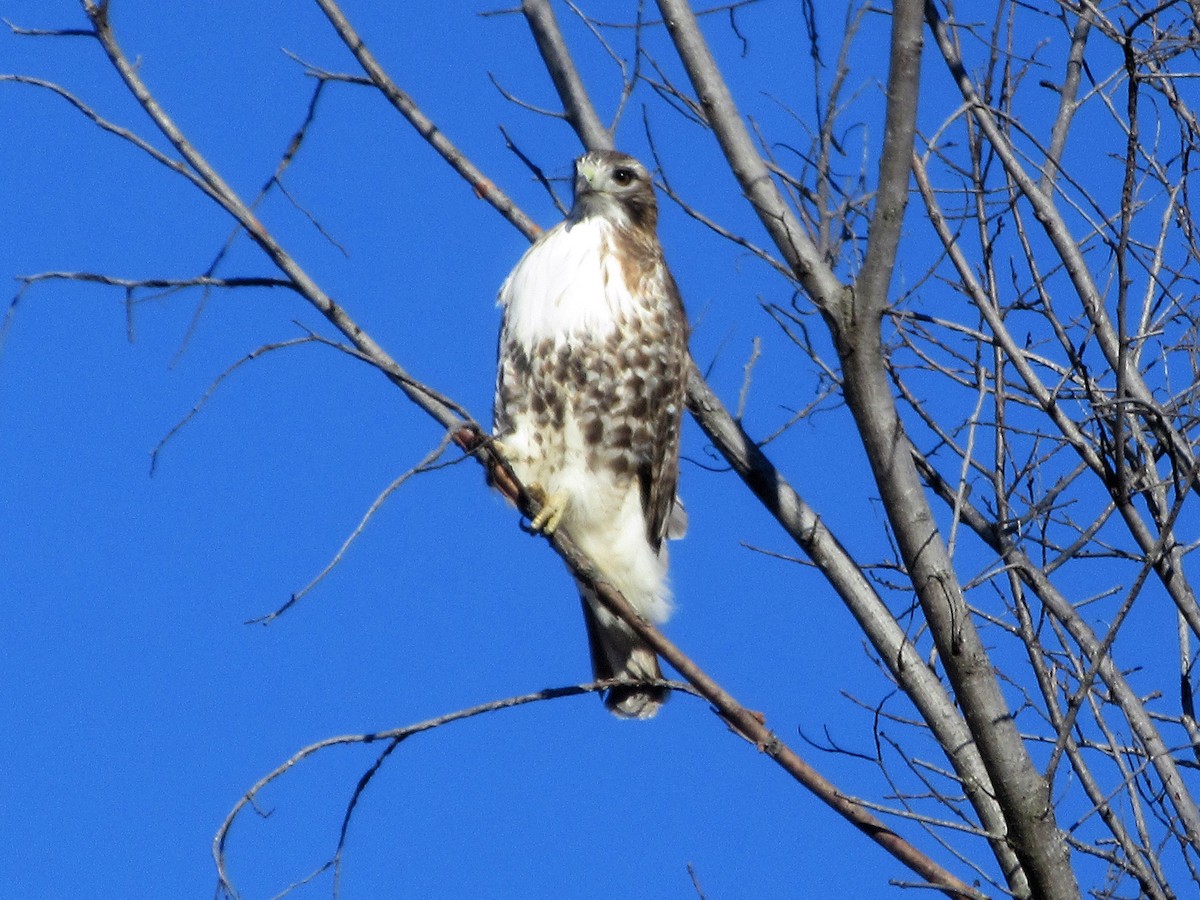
624	176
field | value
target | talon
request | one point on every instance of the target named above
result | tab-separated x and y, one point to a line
552	508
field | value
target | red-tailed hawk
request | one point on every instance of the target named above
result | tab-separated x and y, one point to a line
589	397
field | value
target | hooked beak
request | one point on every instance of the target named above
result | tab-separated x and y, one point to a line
585	173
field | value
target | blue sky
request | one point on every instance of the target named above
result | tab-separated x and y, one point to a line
138	706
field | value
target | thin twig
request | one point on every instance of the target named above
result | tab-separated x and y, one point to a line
425	465
212	389
395	736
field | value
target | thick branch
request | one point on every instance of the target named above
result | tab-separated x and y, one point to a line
1023	794
1098	655
891	197
846	577
553	49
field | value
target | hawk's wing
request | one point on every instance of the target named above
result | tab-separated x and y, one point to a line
659	475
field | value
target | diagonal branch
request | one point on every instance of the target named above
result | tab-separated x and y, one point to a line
748	166
553	48
404	104
752	726
215	187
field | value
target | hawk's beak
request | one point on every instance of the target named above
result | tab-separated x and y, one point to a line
585	173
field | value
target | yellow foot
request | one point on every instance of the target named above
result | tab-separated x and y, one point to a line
504	451
552	508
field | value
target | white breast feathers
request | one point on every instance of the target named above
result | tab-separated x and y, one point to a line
568	283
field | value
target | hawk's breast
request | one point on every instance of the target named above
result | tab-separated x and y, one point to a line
569	284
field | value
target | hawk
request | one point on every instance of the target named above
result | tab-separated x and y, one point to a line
590	384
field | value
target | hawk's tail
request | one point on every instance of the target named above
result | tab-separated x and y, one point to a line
619	653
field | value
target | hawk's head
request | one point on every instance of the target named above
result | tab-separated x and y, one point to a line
616	187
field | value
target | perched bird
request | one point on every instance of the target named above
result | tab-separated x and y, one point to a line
590	384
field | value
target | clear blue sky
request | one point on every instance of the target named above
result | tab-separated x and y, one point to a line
137	707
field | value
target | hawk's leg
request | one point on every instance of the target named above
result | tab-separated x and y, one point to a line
552	505
552	508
